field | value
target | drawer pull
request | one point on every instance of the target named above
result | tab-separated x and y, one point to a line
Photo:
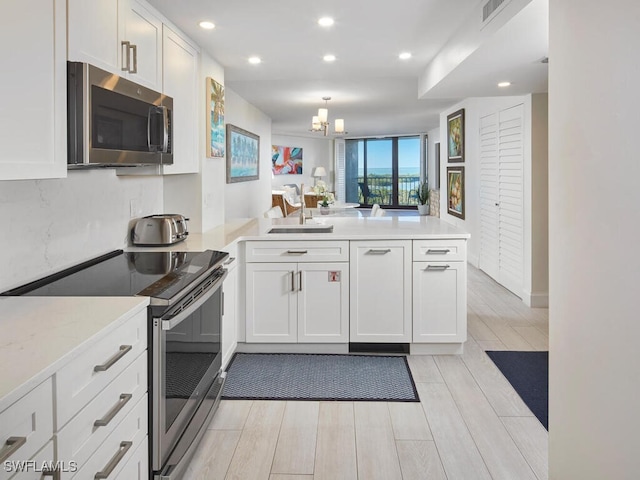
124	349
373	251
55	473
113	463
104	421
434	251
297	252
12	445
437	267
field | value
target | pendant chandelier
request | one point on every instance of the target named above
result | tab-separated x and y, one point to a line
320	122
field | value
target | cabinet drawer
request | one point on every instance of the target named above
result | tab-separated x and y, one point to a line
81	436
320	251
120	446
439	250
42	460
26	426
83	378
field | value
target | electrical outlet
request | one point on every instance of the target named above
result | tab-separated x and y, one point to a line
135	209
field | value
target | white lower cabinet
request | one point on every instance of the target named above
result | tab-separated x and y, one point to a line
297	302
439	302
380	310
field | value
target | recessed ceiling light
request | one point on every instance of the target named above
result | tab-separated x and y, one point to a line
504	84
255	60
207	25
325	21
404	56
329	58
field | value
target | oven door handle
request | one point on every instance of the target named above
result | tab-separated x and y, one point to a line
174	321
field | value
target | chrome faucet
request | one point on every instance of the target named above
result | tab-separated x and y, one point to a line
302	204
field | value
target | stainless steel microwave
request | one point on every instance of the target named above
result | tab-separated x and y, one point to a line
114	122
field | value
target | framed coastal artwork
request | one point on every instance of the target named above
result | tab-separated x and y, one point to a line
215	119
286	160
243	155
455	136
455	191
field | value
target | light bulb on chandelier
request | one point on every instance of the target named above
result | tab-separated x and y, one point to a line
320	122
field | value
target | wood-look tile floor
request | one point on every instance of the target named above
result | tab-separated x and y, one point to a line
470	423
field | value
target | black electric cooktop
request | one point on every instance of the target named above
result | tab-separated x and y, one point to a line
122	274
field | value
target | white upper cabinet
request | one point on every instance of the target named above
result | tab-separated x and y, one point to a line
179	81
33	94
120	36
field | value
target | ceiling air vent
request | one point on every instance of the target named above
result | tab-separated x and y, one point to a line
489	8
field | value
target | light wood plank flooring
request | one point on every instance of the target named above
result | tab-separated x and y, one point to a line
470	423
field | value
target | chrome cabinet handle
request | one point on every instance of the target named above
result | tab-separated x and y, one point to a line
437	267
374	251
104	421
297	252
124	349
134	48
55	473
113	463
11	446
293	281
434	251
300	280
127	47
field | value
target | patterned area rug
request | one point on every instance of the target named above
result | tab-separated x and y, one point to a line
284	376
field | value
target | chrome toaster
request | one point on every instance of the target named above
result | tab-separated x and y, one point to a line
159	230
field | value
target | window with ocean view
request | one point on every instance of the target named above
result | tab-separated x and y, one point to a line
383	170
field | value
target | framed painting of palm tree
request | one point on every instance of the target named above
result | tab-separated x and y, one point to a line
215	119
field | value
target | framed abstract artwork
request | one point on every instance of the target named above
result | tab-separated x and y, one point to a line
286	160
243	155
455	136
455	191
215	119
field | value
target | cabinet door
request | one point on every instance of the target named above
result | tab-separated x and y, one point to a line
33	96
143	30
439	302
93	33
179	81
380	309
229	318
271	303
323	302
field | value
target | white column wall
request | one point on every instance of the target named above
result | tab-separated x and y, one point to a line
594	222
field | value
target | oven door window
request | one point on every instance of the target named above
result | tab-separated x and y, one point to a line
191	360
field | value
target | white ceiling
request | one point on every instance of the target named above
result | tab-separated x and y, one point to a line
374	91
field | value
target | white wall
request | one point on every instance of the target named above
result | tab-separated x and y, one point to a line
594	222
434	137
535	275
249	199
49	225
316	152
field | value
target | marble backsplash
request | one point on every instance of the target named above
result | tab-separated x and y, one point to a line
49	225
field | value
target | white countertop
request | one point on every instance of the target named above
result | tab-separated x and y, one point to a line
40	334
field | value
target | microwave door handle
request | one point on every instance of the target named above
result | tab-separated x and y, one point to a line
153	147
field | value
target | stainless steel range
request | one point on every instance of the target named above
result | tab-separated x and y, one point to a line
185	359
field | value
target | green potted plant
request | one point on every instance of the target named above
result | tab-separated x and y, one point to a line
422	194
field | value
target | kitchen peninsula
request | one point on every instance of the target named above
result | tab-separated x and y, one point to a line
374	281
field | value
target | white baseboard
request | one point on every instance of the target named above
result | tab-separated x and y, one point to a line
473	260
292	347
536	299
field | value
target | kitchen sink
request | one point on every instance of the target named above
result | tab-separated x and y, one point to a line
302	229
